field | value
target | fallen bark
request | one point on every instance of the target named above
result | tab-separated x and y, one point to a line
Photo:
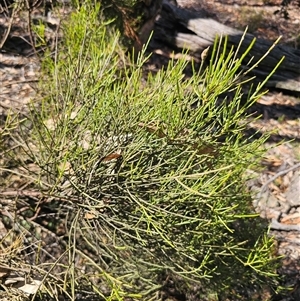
181	28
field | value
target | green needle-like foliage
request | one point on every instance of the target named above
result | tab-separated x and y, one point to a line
133	18
151	171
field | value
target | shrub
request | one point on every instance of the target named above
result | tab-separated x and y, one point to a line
147	171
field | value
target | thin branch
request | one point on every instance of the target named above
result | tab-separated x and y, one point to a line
281	173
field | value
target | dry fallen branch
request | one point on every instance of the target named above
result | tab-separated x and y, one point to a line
275	225
277	175
182	28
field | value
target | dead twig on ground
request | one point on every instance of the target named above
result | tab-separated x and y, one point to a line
277	175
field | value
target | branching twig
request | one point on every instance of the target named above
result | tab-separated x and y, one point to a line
2	42
29	10
281	173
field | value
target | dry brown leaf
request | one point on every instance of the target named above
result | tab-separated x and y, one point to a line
272	161
111	157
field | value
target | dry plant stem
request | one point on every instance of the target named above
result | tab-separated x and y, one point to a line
11	268
28	208
21	81
27	193
8	28
55	41
29	26
34	194
20	174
